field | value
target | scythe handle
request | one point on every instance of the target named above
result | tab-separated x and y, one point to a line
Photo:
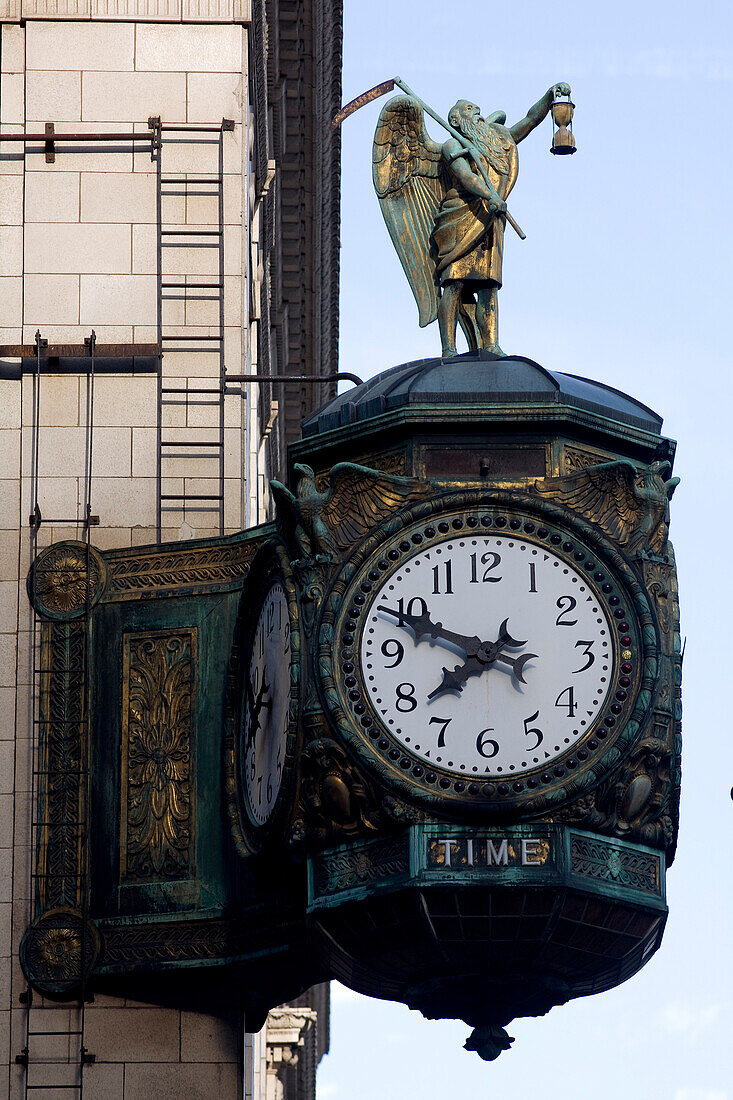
464	142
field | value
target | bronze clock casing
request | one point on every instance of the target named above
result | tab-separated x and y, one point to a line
536	790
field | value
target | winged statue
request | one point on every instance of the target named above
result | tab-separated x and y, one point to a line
357	499
445	209
629	503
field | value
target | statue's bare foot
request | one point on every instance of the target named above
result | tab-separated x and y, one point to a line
448	353
495	350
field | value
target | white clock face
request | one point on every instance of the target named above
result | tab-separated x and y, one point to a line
487	655
266	705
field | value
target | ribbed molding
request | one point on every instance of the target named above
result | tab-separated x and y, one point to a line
55	9
150	11
9	11
167	11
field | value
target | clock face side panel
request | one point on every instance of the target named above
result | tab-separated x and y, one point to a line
264	715
499	543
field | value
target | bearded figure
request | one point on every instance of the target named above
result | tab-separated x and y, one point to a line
445	209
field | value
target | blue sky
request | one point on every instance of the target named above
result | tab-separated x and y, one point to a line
624	277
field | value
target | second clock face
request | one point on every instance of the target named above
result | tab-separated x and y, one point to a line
266	709
487	655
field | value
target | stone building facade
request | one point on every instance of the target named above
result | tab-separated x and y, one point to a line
180	195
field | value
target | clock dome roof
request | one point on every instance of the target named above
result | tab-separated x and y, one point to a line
477	378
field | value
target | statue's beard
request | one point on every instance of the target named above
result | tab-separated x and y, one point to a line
478	132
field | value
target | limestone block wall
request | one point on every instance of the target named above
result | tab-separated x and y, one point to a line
78	250
78	240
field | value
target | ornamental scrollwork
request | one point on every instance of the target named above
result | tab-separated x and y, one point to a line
157	773
66	580
59	951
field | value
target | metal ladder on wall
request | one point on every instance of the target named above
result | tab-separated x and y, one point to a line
54	1053
190	473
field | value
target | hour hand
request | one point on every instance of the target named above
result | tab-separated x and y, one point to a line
453	680
423	627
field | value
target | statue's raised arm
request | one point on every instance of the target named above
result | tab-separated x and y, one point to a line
536	114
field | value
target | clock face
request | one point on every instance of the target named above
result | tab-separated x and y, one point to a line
487	654
490	658
266	705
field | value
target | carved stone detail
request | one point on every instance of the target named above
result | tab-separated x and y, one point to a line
595	859
159	675
290	1046
58	584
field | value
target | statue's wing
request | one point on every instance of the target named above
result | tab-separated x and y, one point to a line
410	181
604	494
359	498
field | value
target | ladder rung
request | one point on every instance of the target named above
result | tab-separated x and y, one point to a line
193	179
199	339
193	443
191	232
191	393
191	496
64	1033
192	286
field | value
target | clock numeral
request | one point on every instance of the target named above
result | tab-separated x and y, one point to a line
532	577
485	745
566	604
406	700
269	789
586	653
398	651
448	571
415	600
533	729
570	703
490	559
443	723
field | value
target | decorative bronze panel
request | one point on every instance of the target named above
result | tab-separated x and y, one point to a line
599	860
158	705
152	570
350	869
62	755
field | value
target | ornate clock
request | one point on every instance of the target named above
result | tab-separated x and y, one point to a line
265	725
488	657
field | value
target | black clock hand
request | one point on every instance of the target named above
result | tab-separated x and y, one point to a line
255	706
424	627
488	653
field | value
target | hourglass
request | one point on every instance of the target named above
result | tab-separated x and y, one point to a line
563	141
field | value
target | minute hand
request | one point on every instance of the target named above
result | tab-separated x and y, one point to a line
423	627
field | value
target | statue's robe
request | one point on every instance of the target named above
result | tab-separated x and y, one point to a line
468	237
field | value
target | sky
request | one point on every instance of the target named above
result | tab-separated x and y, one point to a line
624	277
